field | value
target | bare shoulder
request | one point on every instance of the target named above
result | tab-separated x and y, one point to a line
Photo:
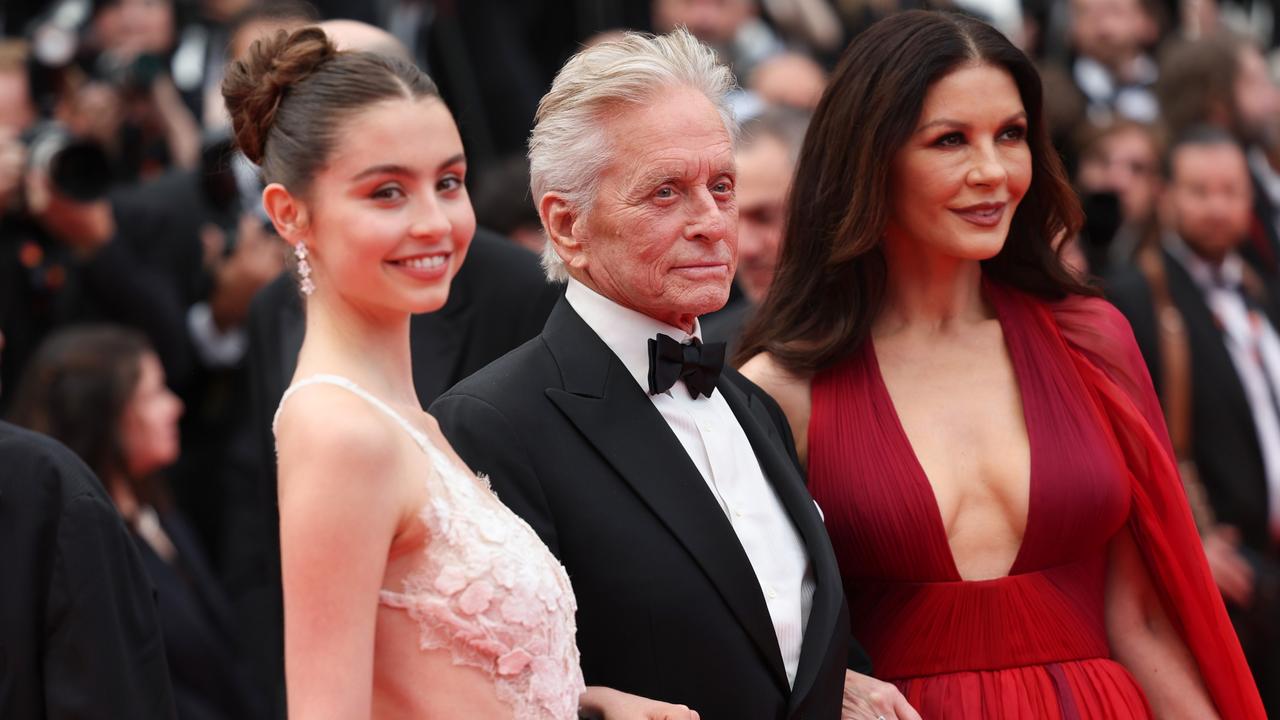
788	389
331	442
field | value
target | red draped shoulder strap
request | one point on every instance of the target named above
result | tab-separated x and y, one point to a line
1101	346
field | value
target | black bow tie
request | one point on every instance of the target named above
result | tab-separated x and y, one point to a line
697	364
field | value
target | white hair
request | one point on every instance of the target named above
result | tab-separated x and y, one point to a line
569	149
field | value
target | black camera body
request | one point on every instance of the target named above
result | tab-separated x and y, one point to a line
78	169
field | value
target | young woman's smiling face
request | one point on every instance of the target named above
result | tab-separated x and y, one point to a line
389	217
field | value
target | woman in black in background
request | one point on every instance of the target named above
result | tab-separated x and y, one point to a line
101	391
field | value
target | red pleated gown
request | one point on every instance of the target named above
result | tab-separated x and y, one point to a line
1033	644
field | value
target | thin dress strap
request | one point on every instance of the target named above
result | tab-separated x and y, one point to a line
325	379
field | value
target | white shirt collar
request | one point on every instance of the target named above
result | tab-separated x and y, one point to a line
625	331
1266	175
1231	272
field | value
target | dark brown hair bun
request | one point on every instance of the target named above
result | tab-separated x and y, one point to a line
255	87
291	96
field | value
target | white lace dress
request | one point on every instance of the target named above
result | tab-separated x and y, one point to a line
486	587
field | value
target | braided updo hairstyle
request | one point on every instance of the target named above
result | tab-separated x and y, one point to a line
289	97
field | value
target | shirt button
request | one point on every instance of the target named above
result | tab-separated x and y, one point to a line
773	594
737	511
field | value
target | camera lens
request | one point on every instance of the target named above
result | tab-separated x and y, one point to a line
81	171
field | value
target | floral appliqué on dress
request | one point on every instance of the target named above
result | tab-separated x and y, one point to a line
487	588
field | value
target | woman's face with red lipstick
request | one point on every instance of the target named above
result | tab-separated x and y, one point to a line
959	177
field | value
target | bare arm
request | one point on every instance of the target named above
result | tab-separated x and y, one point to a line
609	704
1145	641
340	508
791	392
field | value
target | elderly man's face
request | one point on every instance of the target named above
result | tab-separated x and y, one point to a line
662	237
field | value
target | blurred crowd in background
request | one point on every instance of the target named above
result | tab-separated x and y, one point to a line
133	244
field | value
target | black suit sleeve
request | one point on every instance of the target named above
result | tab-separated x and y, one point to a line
104	656
483	437
1128	290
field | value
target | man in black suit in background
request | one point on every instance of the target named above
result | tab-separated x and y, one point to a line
79	630
668	489
1206	324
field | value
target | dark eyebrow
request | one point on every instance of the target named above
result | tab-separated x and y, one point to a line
394	169
1020	115
459	158
389	169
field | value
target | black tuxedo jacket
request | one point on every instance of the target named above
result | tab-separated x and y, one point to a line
200	636
668	604
80	636
1224	440
1262	249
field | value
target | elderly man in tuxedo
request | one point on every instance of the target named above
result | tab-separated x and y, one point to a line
666	485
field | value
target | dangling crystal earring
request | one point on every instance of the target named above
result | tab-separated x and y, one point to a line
304	269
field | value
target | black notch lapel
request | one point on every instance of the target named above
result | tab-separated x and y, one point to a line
789	485
611	411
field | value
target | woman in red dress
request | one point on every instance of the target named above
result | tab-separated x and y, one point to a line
978	427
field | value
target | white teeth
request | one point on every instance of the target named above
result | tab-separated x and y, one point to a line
424	263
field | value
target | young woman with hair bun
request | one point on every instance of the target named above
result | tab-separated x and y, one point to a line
409	589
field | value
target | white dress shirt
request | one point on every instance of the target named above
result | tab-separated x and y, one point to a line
1254	348
1267	178
717	445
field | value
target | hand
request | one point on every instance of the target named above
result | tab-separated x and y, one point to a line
866	698
181	130
1231	571
13	161
257	259
616	705
83	226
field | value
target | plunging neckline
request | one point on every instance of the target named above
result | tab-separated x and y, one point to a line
922	478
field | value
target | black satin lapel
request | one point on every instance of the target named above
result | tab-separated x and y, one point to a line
630	433
790	488
436	342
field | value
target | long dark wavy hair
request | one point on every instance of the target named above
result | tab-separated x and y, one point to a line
831	276
76	389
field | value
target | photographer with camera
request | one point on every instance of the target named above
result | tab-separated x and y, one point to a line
102	69
63	260
67	252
